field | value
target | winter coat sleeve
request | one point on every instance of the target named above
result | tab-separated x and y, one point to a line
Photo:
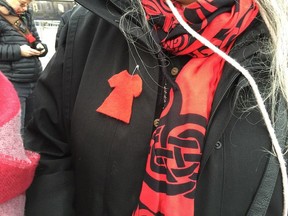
10	52
51	192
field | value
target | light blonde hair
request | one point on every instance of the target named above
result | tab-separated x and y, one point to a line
275	15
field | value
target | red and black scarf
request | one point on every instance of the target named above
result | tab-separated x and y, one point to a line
177	143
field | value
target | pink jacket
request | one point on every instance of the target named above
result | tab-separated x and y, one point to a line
17	166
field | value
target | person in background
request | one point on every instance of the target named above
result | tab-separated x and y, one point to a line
17	166
20	47
137	114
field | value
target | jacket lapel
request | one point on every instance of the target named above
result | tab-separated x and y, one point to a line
221	108
219	120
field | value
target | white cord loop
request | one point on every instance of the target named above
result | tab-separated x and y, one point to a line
257	94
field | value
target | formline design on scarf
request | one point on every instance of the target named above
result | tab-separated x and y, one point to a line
173	164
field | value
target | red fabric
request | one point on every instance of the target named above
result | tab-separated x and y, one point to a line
17	166
16	175
30	38
8	100
177	143
119	103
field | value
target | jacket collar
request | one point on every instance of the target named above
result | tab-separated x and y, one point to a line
110	10
121	4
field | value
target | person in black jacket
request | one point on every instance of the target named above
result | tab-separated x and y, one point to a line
137	114
20	48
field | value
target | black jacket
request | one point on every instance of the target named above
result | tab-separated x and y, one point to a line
12	64
63	21
92	164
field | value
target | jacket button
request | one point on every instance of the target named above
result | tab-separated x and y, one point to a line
156	122
174	71
218	145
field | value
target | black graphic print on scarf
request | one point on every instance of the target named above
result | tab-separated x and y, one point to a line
177	143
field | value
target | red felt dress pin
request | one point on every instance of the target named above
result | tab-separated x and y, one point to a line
119	103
